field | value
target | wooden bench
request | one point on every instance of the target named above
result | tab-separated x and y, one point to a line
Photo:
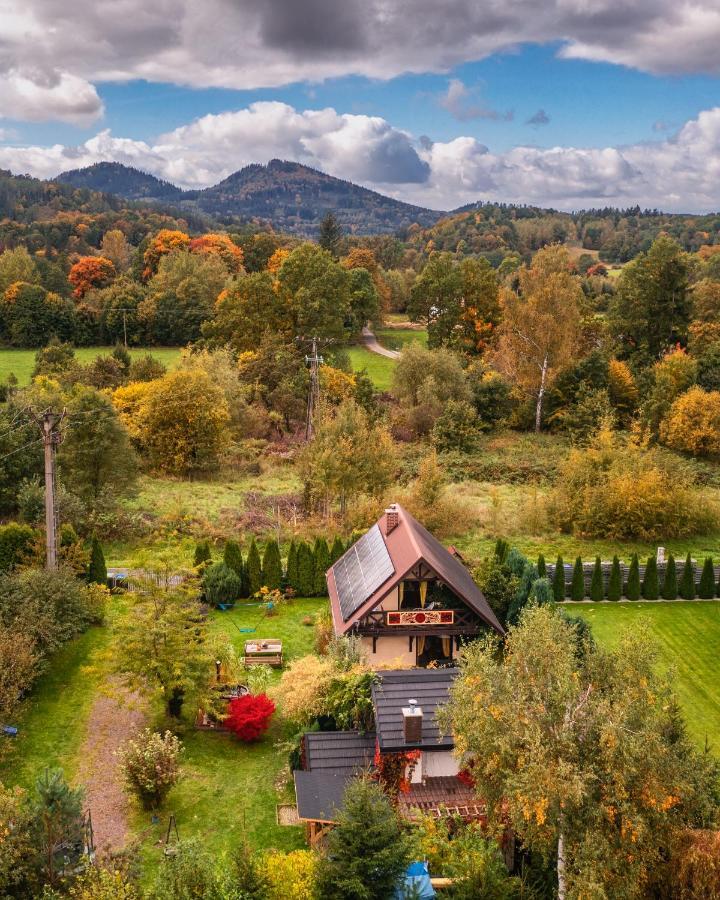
263	653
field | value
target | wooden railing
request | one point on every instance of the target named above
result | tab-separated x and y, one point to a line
464	621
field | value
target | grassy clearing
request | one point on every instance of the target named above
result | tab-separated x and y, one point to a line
379	368
399	338
22	362
688	639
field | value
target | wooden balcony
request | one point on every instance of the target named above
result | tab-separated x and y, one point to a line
416	622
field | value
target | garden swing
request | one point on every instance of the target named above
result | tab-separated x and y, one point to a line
269	606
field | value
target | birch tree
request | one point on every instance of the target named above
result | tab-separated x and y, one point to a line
580	751
540	329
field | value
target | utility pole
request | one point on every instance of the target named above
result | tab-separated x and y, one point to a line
51	437
314	362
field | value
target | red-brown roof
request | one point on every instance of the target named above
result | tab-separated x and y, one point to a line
409	543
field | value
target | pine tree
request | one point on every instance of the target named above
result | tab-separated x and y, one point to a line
559	580
330	234
306	570
707	580
614	591
337	550
202	555
670	585
597	587
253	570
651	584
291	569
577	587
57	811
632	591
322	564
232	557
272	566
687	582
367	851
97	570
541	567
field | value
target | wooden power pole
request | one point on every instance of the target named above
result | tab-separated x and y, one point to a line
51	437
313	362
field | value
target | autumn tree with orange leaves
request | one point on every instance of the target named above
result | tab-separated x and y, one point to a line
220	245
90	272
164	242
581	751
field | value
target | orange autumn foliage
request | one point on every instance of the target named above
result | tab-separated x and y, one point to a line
89	272
165	241
220	245
277	259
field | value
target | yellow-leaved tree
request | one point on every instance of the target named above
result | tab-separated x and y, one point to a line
693	423
540	329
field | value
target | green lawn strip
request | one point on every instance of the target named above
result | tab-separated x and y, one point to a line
688	638
379	368
228	789
53	719
399	338
22	362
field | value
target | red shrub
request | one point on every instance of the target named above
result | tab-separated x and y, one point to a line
250	716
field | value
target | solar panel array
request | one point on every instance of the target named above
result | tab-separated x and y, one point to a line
362	570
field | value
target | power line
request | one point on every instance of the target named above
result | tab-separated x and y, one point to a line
18	449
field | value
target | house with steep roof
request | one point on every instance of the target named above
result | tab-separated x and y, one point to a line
411	601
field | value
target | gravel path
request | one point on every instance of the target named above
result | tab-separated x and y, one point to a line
112	720
371	342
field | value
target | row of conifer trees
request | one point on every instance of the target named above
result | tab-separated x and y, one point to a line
303	570
654	585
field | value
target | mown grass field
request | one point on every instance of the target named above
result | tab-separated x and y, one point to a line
399	338
379	368
688	638
22	362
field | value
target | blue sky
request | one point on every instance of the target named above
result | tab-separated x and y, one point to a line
438	102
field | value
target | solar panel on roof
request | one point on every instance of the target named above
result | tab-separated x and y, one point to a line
362	570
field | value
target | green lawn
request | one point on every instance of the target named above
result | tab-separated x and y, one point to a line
22	362
399	338
688	637
379	368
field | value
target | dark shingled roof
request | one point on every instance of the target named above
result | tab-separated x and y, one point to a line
430	687
332	758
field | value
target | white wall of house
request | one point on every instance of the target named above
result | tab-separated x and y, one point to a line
390	650
437	764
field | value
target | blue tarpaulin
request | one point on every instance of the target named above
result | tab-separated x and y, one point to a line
416	883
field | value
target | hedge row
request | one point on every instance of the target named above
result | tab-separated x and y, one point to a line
236	577
632	583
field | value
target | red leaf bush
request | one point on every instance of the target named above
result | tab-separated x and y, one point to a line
249	716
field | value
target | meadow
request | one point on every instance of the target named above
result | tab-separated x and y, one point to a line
20	363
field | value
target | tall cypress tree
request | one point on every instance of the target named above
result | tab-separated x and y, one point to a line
97	570
291	572
202	556
559	580
501	549
337	549
272	566
232	557
321	553
651	584
707	580
597	588
541	567
306	570
577	587
670	585
253	570
632	591
687	582
614	591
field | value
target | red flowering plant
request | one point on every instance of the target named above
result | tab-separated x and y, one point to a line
249	716
394	770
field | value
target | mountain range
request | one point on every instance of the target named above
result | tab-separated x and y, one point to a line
292	197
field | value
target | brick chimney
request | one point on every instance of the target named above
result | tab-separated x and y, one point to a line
412	722
392	519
